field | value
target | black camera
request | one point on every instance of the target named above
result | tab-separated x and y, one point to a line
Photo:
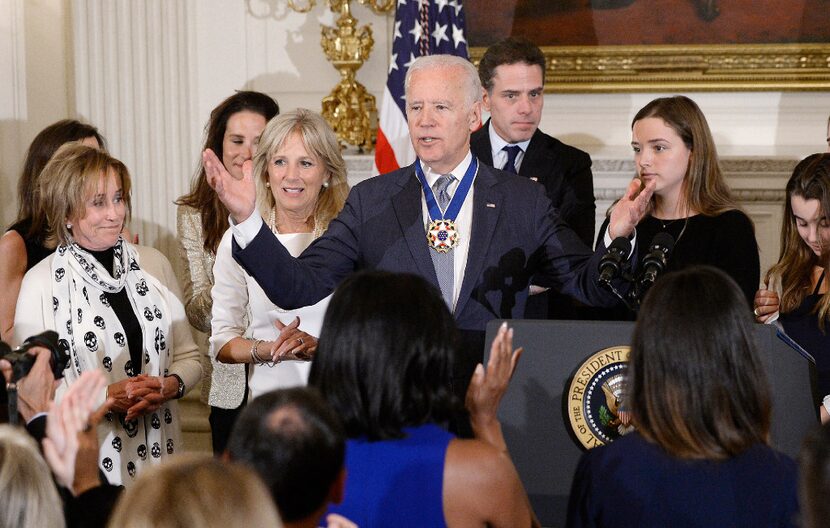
22	362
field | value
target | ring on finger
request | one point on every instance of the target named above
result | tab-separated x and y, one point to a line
300	339
756	311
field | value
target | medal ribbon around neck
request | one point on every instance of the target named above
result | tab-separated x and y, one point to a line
441	233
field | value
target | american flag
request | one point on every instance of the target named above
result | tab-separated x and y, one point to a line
422	27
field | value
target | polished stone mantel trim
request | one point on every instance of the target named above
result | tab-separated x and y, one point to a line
752	178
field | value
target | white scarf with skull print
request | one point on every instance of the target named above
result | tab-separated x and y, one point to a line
94	338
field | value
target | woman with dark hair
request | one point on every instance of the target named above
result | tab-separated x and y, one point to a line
797	285
384	364
24	245
700	402
232	132
673	147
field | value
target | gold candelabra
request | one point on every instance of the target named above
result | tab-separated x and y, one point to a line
350	109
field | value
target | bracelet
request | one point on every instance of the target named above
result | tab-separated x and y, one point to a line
254	356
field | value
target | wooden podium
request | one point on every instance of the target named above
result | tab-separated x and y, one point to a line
534	415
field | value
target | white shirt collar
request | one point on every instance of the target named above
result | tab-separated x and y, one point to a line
458	171
497	143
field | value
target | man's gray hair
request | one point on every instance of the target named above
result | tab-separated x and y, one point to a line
448	61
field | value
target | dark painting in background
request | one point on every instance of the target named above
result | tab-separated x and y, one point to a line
626	45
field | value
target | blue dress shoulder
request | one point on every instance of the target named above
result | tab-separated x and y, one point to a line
396	482
635	483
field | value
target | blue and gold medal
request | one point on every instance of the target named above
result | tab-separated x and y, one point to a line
442	235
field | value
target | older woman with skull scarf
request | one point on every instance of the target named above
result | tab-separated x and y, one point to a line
116	307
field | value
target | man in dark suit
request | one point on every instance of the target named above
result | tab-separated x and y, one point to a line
504	232
512	74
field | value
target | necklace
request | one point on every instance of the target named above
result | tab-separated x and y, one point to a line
275	227
666	224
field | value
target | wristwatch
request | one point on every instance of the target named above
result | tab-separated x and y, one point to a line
180	391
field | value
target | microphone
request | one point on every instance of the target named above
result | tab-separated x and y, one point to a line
654	263
611	263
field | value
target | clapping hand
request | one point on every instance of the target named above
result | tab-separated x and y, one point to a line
292	343
70	426
239	196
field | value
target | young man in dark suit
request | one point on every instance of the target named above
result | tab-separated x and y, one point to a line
512	74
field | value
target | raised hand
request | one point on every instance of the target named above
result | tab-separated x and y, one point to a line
239	196
488	386
630	209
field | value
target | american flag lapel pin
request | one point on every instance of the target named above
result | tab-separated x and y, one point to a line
491	205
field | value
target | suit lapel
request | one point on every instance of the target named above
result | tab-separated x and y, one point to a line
407	206
535	157
482	143
487	205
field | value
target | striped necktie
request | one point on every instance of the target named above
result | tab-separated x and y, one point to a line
443	262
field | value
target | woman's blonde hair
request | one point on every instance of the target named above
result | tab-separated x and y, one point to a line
28	497
321	143
196	490
810	181
66	182
704	188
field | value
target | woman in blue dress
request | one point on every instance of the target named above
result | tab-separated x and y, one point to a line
700	403
383	363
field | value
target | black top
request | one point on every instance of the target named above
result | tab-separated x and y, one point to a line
124	311
726	241
801	324
634	483
35	250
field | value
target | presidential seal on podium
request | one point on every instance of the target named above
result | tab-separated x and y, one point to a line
595	398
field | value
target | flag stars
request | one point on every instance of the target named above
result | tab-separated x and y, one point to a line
397	34
417	32
394	63
441	4
440	33
458	36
